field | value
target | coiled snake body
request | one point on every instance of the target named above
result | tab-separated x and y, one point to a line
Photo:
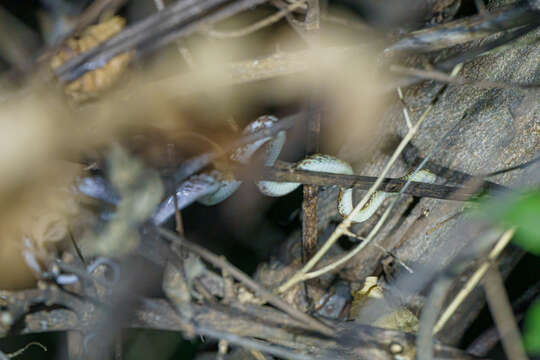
219	187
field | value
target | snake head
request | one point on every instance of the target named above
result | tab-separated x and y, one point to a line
244	153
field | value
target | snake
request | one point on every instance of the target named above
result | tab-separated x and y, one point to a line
213	187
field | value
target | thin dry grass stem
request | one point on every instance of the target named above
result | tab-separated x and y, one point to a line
501	310
256	26
23	349
405	109
346	223
474	280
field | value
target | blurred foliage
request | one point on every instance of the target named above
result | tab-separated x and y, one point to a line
521	210
531	331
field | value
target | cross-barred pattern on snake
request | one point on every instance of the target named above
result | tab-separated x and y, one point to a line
213	187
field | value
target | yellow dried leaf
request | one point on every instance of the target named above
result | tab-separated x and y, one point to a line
93	83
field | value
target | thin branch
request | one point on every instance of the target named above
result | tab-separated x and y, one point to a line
468	55
432	305
483	344
310	223
405	108
442	77
309	204
177	20
474	279
465	30
411	157
88	16
515	167
256	26
501	310
266	295
391	185
253	344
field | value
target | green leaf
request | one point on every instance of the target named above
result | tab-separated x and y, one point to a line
531	329
522	211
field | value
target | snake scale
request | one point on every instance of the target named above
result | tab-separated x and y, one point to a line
211	188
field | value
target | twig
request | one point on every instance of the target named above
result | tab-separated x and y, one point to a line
503	40
411	157
253	344
515	167
271	325
442	77
23	349
345	224
179	19
365	182
310	224
266	295
474	280
405	109
501	310
449	63
432	305
256	26
440	288
268	67
483	344
89	15
289	63
465	30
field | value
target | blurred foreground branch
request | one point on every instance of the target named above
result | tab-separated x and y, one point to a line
353	340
